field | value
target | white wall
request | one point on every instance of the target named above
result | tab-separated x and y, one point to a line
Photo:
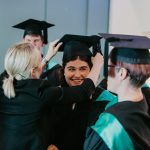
129	17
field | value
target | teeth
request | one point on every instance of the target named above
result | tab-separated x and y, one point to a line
77	80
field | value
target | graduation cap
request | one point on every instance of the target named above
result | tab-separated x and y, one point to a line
129	48
34	27
78	45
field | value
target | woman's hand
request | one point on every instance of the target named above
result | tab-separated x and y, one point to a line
98	59
52	49
52	147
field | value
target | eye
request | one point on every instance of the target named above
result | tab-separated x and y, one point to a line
28	40
83	69
37	40
71	69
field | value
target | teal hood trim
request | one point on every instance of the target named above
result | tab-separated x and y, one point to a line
145	85
112	132
107	96
51	64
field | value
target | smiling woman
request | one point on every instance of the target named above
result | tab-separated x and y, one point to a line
70	121
75	71
24	97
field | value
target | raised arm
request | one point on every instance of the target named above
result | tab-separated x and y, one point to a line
75	93
97	65
52	50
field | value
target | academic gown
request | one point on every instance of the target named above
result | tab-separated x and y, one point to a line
20	127
146	92
123	126
69	122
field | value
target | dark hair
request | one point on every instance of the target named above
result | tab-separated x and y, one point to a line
65	61
83	58
138	73
31	34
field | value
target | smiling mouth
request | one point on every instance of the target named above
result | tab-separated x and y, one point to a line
77	80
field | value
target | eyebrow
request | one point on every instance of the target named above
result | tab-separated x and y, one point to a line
79	67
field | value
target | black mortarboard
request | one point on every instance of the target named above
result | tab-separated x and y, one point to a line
130	48
34	27
74	45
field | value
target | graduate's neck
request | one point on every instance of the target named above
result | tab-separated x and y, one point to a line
130	94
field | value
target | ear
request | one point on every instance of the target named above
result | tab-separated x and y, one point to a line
33	73
123	73
43	44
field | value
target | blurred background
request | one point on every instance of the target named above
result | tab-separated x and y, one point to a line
85	17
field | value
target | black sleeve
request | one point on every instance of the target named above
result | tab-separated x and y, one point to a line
146	92
3	75
96	109
93	141
67	94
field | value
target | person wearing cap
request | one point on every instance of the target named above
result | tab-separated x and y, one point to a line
24	96
35	31
69	122
124	125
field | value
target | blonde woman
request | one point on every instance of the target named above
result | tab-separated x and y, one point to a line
24	96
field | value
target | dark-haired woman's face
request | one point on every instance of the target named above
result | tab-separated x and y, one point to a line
75	71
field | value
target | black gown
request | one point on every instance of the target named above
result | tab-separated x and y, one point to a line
124	125
69	122
69	125
20	127
146	92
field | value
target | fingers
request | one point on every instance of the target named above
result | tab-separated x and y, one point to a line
98	58
52	44
52	49
58	45
55	44
52	147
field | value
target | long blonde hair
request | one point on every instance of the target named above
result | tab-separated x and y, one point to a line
19	60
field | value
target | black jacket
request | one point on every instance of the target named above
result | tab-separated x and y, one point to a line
20	127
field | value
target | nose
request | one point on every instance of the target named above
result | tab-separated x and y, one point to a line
77	73
33	43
